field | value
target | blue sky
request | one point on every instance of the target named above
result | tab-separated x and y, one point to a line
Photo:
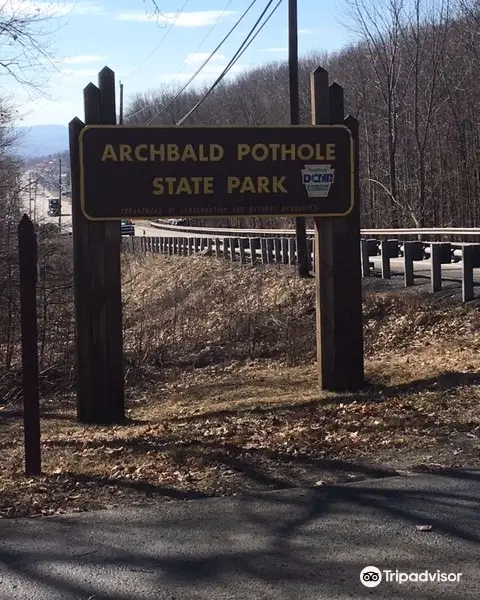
147	52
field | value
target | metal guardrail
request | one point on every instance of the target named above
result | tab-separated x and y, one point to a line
231	232
282	250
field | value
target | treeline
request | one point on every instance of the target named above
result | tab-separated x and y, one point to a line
10	212
412	82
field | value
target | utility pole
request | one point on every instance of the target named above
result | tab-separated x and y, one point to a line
60	194
120	120
30	195
300	226
35	199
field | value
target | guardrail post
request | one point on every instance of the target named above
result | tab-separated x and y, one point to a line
241	249
467	272
385	259
285	251
234	244
263	247
411	251
225	248
278	250
209	246
292	247
253	250
365	258
269	250
203	244
218	252
435	267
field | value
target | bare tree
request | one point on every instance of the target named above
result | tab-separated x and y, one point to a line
379	26
26	34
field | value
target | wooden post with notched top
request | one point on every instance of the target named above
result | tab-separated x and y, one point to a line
97	281
337	263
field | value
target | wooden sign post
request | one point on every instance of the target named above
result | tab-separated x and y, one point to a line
337	263
97	281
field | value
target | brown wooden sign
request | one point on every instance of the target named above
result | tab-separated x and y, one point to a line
134	172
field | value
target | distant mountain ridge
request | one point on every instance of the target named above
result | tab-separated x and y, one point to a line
40	140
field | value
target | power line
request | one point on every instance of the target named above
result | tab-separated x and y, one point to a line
162	39
243	47
205	62
206	35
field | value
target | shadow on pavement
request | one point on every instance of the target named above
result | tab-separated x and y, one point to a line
287	544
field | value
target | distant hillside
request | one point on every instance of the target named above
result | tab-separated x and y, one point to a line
41	140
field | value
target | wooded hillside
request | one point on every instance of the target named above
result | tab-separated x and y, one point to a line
412	82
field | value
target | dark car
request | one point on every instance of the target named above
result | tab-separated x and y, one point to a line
127	227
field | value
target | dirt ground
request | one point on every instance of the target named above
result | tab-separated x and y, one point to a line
228	426
247	427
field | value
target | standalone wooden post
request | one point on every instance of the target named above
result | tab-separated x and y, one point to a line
27	250
338	264
98	303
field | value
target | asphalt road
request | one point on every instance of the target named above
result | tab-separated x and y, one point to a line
39	208
144	228
451	273
291	544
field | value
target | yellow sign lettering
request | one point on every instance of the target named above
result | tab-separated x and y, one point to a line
278	186
172	152
284	152
137	152
109	153
256	185
242	150
182	186
125	152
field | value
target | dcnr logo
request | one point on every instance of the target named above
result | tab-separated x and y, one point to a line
317	177
370	576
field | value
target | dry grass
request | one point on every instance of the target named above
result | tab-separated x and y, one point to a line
251	418
197	311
